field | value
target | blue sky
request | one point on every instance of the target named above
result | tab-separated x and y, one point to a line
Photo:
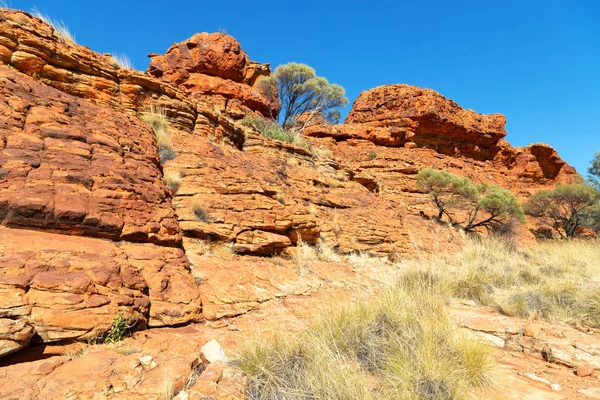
537	62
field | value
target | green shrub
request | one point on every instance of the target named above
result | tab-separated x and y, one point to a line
481	205
565	208
268	128
120	326
304	97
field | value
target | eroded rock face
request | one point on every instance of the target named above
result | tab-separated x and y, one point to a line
427	119
73	288
77	168
209	64
70	287
77	163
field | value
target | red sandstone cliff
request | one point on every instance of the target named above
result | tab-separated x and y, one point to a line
90	228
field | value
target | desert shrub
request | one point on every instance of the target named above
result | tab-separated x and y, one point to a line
120	327
591	218
564	208
267	128
156	117
404	338
594	171
121	61
200	212
470	206
59	26
372	155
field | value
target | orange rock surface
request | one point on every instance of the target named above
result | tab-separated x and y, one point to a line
89	227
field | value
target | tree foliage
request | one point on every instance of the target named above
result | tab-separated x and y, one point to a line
565	208
594	171
468	205
303	96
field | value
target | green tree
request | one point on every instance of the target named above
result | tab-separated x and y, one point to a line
303	96
594	171
564	208
467	205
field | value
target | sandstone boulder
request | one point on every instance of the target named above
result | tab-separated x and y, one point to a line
212	64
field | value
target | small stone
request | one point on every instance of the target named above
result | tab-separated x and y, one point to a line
212	352
183	395
585	370
556	387
148	362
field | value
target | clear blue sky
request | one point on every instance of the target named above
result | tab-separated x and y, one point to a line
537	62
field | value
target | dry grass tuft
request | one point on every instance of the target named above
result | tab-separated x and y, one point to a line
173	181
121	61
224	251
558	281
199	210
4	5
401	345
157	118
59	26
361	260
167	390
304	257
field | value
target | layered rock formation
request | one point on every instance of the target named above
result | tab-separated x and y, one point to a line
77	163
89	227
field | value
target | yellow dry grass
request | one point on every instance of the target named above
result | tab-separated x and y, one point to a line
399	345
58	25
558	281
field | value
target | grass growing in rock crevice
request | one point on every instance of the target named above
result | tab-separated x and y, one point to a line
400	345
156	117
272	130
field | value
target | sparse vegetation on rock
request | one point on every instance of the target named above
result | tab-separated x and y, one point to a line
467	205
173	181
156	117
303	96
200	211
120	326
565	208
401	344
121	61
59	26
268	128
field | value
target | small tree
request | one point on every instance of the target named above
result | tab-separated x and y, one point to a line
591	218
467	205
564	208
447	191
302	93
594	171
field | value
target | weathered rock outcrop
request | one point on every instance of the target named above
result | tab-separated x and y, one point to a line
77	168
394	131
77	162
210	65
424	118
